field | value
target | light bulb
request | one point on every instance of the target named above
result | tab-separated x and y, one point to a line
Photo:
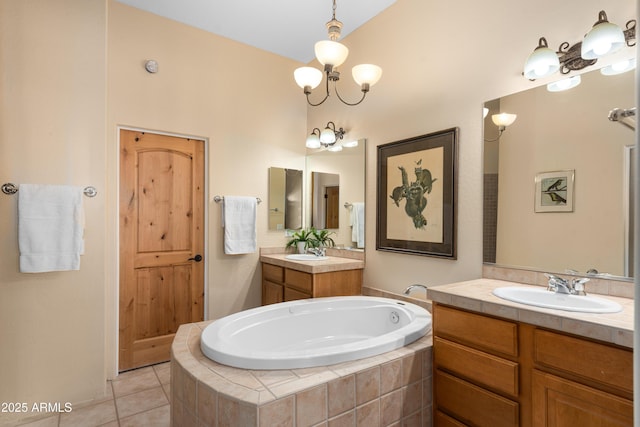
542	62
313	141
307	76
330	52
328	136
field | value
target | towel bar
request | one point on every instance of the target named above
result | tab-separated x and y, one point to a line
347	205
218	199
9	188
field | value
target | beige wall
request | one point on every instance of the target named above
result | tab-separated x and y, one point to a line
72	72
52	130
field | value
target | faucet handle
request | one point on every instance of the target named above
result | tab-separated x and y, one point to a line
578	285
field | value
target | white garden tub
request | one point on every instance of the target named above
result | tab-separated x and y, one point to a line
313	332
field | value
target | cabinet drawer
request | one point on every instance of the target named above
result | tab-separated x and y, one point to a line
443	420
273	273
486	333
299	280
473	405
490	371
607	365
292	294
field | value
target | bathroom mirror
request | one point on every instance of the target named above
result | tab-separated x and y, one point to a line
564	133
325	200
344	169
285	199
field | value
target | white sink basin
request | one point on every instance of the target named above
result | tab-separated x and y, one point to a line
548	299
306	257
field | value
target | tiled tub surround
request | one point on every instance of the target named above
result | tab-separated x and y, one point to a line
378	391
475	295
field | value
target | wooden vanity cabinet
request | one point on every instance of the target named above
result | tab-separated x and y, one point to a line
490	371
285	284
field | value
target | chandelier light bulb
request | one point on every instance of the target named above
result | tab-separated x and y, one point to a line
331	53
366	74
307	77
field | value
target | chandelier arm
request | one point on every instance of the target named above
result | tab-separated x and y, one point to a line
364	93
319	103
326	96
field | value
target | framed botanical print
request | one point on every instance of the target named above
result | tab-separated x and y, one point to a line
416	205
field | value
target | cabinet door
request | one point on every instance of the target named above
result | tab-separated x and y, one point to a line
272	292
558	402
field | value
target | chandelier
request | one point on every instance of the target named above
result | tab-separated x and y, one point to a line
331	54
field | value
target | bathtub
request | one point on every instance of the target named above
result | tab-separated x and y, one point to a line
313	332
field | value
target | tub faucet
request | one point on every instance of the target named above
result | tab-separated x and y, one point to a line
412	287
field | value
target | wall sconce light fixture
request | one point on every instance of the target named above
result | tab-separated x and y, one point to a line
326	138
603	39
502	120
331	54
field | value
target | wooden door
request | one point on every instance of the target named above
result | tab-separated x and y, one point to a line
332	196
161	243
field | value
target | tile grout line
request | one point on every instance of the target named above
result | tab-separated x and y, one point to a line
115	404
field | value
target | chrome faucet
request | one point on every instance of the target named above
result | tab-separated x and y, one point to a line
412	287
563	286
317	251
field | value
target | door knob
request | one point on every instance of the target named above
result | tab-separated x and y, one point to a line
196	258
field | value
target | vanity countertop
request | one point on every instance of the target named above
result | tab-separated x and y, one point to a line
333	263
475	295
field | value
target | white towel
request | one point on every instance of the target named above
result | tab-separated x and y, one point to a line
50	228
357	224
239	221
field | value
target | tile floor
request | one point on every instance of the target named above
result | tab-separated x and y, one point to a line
138	398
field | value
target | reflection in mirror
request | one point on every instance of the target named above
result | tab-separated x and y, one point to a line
285	199
344	169
325	200
559	131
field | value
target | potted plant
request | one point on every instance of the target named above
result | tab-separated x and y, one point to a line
322	238
302	239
